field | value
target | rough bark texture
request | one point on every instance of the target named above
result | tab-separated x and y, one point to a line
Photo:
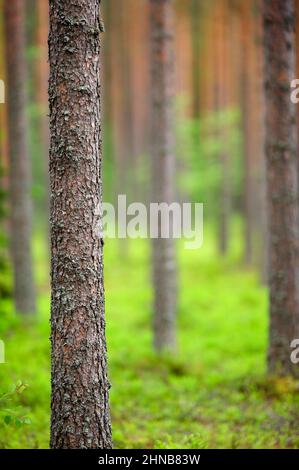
282	182
80	387
19	163
162	89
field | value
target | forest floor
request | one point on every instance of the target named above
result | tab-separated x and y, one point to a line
213	394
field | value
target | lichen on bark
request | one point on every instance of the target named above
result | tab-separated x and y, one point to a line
80	387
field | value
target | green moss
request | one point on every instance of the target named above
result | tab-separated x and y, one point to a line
213	394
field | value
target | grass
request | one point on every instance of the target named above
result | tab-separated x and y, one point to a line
213	394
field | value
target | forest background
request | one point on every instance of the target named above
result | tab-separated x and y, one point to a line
214	391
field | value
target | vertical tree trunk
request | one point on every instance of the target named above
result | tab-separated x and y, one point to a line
253	148
261	212
162	89
42	73
19	162
282	181
195	35
127	98
248	138
297	57
221	107
80	387
3	114
107	116
41	82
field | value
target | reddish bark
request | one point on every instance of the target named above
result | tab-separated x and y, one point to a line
80	387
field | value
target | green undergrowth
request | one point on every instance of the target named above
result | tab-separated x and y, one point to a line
212	394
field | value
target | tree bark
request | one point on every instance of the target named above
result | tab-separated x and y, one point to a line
41	80
195	36
19	162
282	182
3	113
80	387
221	107
247	90
162	89
297	57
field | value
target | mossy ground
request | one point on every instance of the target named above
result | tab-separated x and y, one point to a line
213	394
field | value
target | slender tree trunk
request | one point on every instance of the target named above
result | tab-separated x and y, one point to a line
195	36
42	73
80	387
162	89
248	138
282	182
3	114
127	97
19	162
41	82
109	153
297	57
262	252
221	107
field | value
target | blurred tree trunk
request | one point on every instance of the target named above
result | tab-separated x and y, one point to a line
253	148
282	182
121	77
113	24
3	114
297	57
221	107
195	35
127	97
41	90
162	90
19	162
109	153
262	251
80	387
42	73
248	126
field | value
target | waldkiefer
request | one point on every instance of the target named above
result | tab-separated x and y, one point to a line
80	415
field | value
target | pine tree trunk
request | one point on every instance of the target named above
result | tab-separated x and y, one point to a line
247	85
162	89
297	56
19	162
282	182
3	113
195	37
41	82
80	387
221	107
